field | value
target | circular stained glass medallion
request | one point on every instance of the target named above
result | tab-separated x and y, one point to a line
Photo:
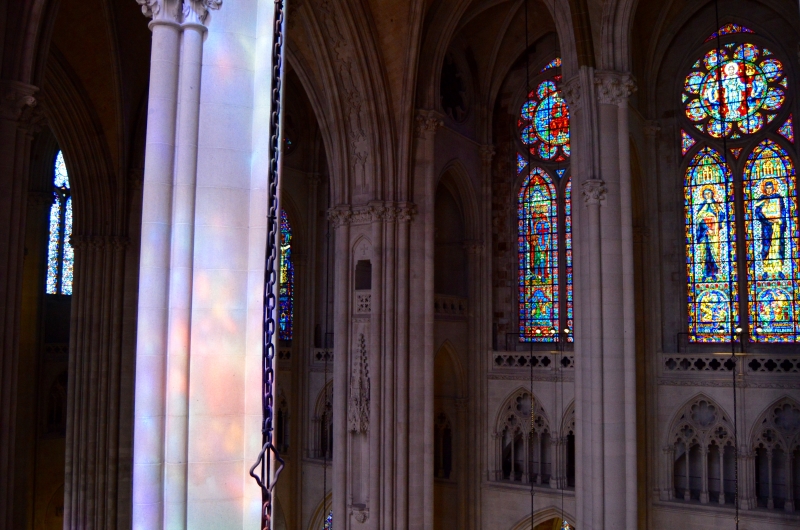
544	123
734	92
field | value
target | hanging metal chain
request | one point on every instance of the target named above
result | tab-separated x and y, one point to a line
264	476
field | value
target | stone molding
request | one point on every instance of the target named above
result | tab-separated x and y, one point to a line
374	211
427	122
614	88
189	12
572	93
594	191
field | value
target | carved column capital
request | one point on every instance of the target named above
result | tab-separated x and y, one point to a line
427	122
340	215
405	211
613	88
572	92
195	12
594	191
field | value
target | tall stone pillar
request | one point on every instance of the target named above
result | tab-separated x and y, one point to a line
17	116
605	348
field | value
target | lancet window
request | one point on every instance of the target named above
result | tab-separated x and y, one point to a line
60	255
701	455
544	216
286	286
524	451
743	265
777	457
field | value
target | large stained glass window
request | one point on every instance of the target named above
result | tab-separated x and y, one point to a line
773	267
544	216
739	148
286	288
60	255
538	250
711	247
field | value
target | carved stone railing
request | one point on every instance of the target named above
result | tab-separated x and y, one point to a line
541	361
778	370
319	356
449	306
284	357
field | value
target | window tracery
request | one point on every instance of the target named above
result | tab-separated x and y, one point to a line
524	441
776	444
702	454
738	94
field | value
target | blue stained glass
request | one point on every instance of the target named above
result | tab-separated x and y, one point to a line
68	259
544	123
521	163
568	247
729	29
710	248
538	258
60	255
328	522
54	247
787	129
686	142
286	288
773	261
560	173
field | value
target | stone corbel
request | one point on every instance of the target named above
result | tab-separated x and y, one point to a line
613	88
572	91
360	512
17	103
594	191
195	12
487	153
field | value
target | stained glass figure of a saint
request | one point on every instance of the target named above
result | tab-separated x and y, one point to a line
286	285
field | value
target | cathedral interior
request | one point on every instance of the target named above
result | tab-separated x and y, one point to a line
538	264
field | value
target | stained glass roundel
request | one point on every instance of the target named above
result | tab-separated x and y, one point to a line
734	92
544	123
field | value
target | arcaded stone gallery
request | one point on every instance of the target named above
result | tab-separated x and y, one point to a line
445	264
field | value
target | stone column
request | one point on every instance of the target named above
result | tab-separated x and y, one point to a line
17	105
667	473
422	318
340	223
747	480
376	356
152	322
181	276
405	214
92	459
387	346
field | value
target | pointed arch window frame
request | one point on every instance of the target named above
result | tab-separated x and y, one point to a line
556	169
738	158
60	258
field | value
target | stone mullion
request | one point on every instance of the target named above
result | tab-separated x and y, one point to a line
704	474
770	500
789	506
721	499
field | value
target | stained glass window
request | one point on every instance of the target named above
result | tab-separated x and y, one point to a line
787	129
60	255
773	264
538	251
544	213
687	142
544	122
286	288
568	247
751	82
710	248
741	91
521	163
328	521
728	29
555	63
